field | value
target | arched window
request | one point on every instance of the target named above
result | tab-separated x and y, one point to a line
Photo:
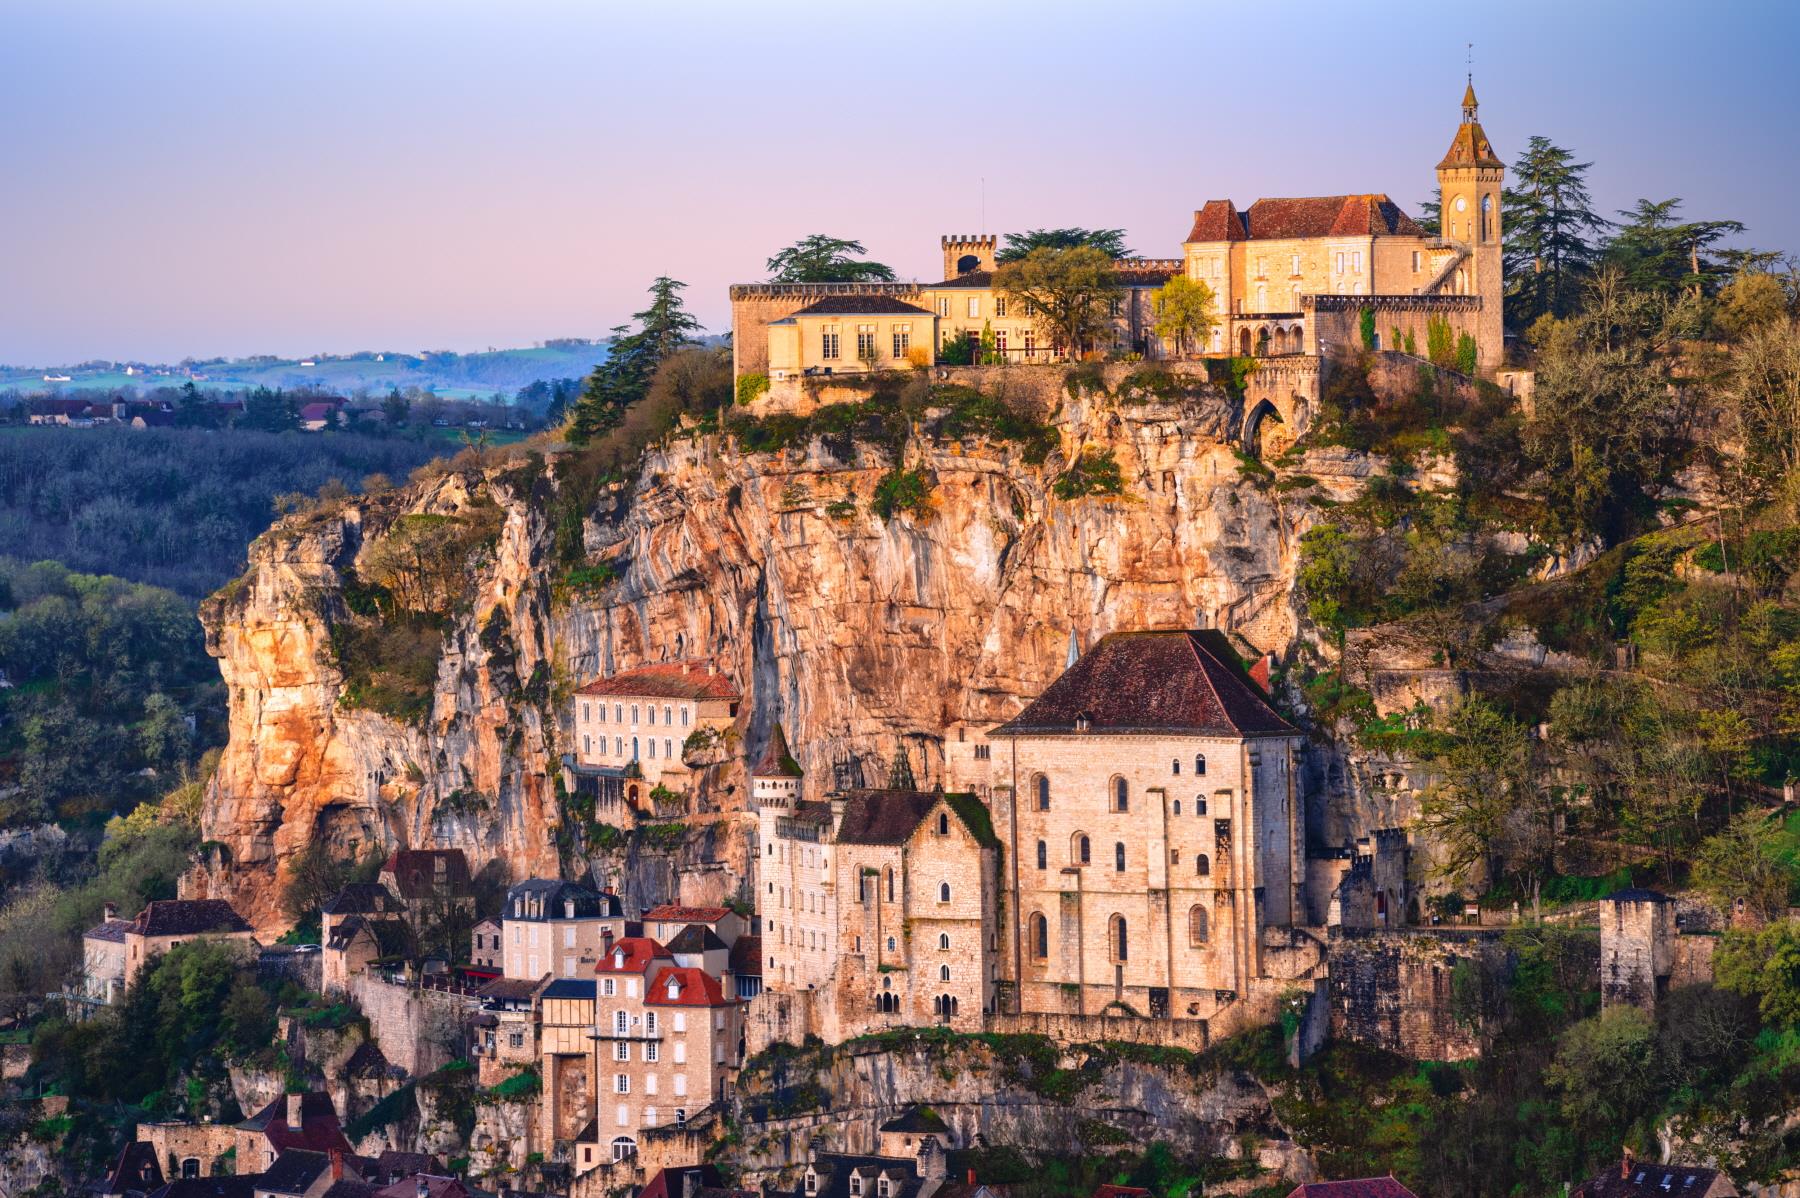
1121	795
1043	792
623	1147
1487	218
1202	865
1040	937
1118	939
1199	804
943	973
943	824
1177	806
943	892
890	883
1197	932
1079	850
1175	766
1119	857
944	941
1043	855
890	944
1200	765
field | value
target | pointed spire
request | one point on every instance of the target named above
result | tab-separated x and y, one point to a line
1074	650
776	761
1469	104
900	774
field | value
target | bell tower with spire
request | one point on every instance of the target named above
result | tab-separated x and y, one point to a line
1469	182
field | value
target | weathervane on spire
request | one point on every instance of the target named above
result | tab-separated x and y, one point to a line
1468	104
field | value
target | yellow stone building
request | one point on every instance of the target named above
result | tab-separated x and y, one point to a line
1291	276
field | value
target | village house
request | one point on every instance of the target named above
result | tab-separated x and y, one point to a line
566	1030
910	1161
433	885
632	730
361	923
1148	807
103	959
165	923
484	945
665	922
669	1036
559	928
1289	276
306	1121
506	1027
691	1181
1632	1178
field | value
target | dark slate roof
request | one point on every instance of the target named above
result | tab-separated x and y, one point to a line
834	1170
362	898
570	988
695	938
112	930
1112	1191
1127	272
416	870
669	680
436	1187
916	1119
669	1181
746	956
1637	1179
545	898
294	1171
1636	894
349	1187
393	937
1182	682
883	816
391	1166
776	761
188	917
860	305
1368	1187
508	990
136	1170
240	1185
319	1131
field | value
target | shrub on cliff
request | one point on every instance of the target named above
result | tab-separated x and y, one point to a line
906	491
1095	472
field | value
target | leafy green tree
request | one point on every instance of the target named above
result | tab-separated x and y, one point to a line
619	382
1018	246
1607	1071
1069	290
1763	964
1606	420
1484	807
269	412
1761	405
1431	213
821	259
195	409
164	732
1752	299
395	409
1551	232
1747	861
1186	311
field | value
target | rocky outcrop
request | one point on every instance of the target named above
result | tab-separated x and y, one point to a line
857	632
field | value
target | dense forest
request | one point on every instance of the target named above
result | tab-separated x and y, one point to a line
171	507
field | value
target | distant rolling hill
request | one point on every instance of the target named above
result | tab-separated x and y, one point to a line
451	375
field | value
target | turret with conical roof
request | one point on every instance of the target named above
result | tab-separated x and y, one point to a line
775	778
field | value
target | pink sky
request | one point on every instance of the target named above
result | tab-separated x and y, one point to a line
229	178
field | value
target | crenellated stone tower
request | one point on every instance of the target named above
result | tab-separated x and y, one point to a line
1469	179
964	253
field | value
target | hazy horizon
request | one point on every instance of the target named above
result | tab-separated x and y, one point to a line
205	179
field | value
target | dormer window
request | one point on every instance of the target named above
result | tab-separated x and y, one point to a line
619	959
674	988
812	1182
856	1183
882	1187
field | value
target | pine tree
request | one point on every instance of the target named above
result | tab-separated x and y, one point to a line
1550	232
631	361
1658	254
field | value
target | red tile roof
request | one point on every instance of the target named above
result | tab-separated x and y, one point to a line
697	988
1112	1191
1470	147
671	913
416	874
639	952
672	680
1219	220
1309	216
319	1129
1187	682
1367	1187
776	760
746	956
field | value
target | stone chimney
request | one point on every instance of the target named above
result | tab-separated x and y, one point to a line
690	1183
110	911
337	1164
1625	1163
293	1111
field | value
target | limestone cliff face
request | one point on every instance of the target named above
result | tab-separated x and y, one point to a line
858	633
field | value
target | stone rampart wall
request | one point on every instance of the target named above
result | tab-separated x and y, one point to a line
1392	990
412	1027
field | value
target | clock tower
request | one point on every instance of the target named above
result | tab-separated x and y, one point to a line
1469	181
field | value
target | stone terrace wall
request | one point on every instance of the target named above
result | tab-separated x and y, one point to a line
409	1025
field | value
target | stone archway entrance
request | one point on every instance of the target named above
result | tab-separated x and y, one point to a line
1265	432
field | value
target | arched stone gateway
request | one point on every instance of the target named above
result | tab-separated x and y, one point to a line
1255	431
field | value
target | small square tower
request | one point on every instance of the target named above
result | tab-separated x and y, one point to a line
967	253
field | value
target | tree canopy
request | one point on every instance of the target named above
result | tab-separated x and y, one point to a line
1551	232
821	259
1017	246
662	328
1069	291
